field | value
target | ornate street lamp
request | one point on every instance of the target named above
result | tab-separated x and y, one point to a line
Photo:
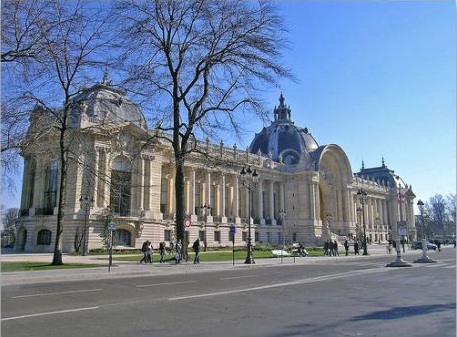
363	195
249	179
282	215
206	211
87	204
424	258
399	262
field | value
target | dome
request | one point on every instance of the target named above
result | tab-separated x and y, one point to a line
282	139
102	104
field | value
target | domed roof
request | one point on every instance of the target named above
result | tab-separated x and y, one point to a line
102	104
282	139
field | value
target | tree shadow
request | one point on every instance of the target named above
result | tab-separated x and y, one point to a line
402	312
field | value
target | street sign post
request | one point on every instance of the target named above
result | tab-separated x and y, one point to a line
233	232
111	228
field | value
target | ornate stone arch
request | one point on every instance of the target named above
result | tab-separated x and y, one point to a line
335	174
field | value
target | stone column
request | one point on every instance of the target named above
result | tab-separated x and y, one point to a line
271	199
222	213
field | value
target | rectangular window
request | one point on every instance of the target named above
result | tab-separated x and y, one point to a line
167	235
217	236
244	236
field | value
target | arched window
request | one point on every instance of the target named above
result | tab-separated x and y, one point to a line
121	177
50	193
44	237
123	237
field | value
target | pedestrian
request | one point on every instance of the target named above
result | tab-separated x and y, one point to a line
356	248
326	252
149	252
346	247
162	251
178	252
196	248
302	251
144	249
438	244
335	249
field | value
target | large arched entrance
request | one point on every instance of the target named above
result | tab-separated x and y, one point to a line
334	176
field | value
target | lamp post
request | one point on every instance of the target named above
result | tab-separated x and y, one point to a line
206	211
399	261
363	195
249	179
283	214
87	204
424	258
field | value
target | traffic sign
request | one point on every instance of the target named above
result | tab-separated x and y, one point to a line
232	229
112	226
187	222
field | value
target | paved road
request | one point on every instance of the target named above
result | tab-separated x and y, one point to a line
346	296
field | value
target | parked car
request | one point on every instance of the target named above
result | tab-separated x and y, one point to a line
418	245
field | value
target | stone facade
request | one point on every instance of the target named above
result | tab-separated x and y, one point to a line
120	171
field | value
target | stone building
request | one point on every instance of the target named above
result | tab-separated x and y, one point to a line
120	171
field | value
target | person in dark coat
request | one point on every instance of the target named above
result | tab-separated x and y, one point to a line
346	247
196	248
356	248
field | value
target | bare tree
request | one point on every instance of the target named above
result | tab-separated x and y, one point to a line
73	43
203	64
22	27
9	216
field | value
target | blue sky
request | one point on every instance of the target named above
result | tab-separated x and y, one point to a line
378	78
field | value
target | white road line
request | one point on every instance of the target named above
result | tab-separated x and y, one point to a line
433	265
284	284
450	267
236	277
48	313
59	293
163	284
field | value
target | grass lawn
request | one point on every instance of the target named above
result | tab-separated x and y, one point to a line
31	266
209	256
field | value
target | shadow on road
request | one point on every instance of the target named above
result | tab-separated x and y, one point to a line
402	312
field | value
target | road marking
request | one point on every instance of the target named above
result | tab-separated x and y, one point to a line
236	277
49	313
433	265
59	293
284	284
163	284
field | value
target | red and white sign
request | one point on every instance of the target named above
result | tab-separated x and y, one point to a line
187	222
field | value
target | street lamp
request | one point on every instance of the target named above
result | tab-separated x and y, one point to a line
363	195
87	204
206	211
283	214
399	261
424	258
249	179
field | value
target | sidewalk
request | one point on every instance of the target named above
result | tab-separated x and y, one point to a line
129	269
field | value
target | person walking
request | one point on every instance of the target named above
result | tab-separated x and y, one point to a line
335	249
162	251
346	247
149	252
326	251
178	252
196	248
144	249
356	248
